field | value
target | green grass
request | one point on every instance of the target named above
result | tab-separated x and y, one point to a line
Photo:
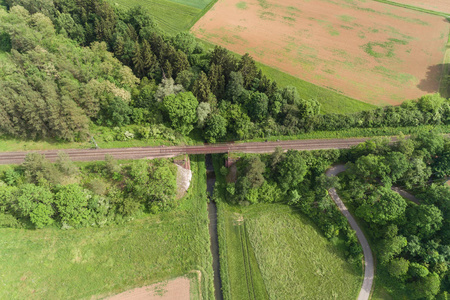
445	79
244	279
200	4
270	248
8	143
294	259
171	17
74	264
242	5
331	101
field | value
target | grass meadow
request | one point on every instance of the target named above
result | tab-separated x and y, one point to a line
270	251
97	262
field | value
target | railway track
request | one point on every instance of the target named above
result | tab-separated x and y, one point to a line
171	151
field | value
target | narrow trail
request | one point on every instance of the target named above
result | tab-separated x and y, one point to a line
212	214
369	267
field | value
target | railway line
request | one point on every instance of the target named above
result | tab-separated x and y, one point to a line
171	151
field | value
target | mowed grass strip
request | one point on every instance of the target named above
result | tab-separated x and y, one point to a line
171	17
244	279
88	262
296	261
330	101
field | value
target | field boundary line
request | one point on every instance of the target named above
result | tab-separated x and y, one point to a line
249	260
247	275
424	10
444	83
201	14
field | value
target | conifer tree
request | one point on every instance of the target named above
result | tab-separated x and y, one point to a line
138	62
201	88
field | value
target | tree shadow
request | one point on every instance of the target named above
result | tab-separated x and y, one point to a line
430	83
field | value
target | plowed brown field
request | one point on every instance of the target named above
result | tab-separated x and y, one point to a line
436	5
370	51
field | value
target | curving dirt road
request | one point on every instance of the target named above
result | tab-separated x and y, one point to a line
160	151
369	267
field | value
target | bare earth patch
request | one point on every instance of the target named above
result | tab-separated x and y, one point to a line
370	51
184	177
176	289
436	5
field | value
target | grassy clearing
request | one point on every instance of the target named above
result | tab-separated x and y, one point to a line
172	17
296	261
74	264
287	258
331	101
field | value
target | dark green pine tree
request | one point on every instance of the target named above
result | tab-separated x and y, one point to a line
217	81
201	88
138	62
149	59
180	63
119	47
248	69
168	70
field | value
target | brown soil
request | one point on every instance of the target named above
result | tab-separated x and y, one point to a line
436	5
176	289
184	177
232	173
370	51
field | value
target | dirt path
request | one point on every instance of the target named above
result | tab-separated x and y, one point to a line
406	195
176	289
369	267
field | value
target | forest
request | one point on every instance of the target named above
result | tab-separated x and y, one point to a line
412	241
65	65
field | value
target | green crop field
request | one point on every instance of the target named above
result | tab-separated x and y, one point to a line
172	17
96	262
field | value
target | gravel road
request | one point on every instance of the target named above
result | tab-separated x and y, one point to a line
369	267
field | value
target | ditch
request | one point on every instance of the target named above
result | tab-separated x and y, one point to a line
212	214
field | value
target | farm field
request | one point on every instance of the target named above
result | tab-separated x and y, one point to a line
171	16
370	51
294	259
436	5
97	262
